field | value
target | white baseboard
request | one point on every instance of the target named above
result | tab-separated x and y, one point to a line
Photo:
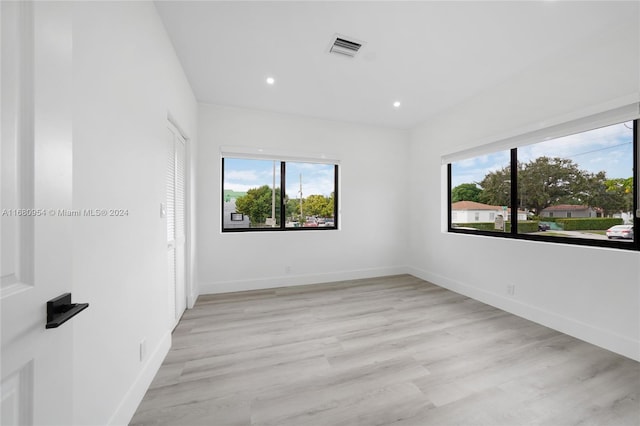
606	339
129	404
293	280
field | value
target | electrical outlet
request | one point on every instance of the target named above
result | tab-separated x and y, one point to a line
511	289
143	349
287	269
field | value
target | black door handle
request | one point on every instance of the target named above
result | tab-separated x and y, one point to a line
61	310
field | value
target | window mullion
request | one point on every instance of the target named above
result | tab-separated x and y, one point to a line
514	191
636	184
283	202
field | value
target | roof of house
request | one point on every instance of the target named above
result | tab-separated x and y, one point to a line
566	207
472	205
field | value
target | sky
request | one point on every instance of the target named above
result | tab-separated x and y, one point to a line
608	149
241	175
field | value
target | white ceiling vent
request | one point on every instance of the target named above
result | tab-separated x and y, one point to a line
347	46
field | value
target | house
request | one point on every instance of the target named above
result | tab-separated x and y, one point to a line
570	211
472	211
115	120
232	219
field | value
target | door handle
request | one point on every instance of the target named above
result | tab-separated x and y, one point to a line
61	310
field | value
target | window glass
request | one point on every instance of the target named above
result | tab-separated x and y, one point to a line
577	189
580	185
481	193
310	195
251	191
276	195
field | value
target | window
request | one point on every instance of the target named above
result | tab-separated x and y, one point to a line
237	217
572	189
278	195
470	209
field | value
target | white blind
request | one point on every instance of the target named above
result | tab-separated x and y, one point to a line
180	189
583	124
171	185
254	153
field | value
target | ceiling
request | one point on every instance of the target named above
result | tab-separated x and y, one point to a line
427	55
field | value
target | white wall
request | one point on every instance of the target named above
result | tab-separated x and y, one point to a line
127	80
591	293
374	201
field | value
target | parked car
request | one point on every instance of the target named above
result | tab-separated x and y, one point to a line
543	226
620	231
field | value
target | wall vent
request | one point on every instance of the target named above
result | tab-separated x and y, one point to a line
346	46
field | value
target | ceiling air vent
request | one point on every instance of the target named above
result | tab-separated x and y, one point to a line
345	45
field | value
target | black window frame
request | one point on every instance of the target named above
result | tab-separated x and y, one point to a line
513	218
283	212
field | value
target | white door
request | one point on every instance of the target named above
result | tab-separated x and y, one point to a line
176	184
36	154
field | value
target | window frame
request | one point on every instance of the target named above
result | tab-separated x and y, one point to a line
513	218
283	212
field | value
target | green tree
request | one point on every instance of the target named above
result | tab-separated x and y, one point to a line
496	187
466	192
293	209
547	181
318	205
619	195
313	205
257	204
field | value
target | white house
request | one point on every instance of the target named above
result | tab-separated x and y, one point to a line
232	219
570	210
121	112
472	211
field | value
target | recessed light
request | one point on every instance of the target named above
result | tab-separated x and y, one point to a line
396	104
271	81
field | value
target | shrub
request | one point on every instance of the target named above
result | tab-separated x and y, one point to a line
588	223
523	226
528	226
550	219
482	226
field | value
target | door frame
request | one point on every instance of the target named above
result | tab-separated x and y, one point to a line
189	279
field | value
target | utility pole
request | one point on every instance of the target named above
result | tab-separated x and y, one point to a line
300	192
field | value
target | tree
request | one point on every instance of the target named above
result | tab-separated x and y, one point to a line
542	182
546	181
496	187
622	190
466	192
318	205
313	205
292	208
257	204
549	181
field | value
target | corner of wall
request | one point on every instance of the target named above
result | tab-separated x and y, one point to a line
605	339
132	398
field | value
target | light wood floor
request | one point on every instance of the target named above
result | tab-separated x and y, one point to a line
384	351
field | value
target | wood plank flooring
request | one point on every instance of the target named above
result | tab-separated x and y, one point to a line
384	351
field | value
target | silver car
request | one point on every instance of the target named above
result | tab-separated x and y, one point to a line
620	231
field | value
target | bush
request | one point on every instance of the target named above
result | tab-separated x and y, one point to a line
523	226
528	226
550	219
588	223
482	226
